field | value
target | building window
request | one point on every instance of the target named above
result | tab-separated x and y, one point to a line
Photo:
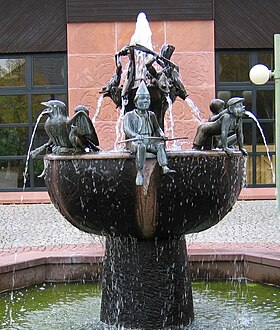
25	82
232	79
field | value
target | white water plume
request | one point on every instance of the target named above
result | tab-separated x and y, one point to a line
143	32
142	36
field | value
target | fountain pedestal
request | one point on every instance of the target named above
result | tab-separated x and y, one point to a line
146	284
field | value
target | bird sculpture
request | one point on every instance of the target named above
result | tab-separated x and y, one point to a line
67	135
57	125
82	133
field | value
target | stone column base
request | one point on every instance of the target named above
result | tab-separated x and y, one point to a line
146	284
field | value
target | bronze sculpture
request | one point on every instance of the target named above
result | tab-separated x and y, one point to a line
224	123
145	135
67	135
83	135
161	85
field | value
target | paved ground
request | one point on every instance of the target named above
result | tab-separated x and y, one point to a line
42	225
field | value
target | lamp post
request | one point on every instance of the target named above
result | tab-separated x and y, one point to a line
259	75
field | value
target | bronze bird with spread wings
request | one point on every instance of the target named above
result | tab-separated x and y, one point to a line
82	132
67	135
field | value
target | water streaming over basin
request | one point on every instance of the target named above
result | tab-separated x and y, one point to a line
119	129
171	125
194	109
252	116
218	305
97	111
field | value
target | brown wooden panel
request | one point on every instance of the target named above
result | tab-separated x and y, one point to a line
32	26
246	24
127	10
40	26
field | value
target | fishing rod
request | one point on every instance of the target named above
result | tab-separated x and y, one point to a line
153	138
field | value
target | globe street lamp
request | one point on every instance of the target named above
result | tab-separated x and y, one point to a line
259	75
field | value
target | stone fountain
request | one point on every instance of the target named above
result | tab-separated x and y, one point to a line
145	273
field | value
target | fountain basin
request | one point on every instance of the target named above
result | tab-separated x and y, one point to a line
83	264
248	306
97	192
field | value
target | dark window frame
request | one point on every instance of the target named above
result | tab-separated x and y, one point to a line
30	91
248	86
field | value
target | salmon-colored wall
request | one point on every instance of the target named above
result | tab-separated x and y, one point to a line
91	50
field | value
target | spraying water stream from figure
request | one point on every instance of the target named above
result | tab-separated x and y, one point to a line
29	151
252	116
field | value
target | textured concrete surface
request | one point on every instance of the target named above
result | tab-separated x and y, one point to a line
248	222
42	225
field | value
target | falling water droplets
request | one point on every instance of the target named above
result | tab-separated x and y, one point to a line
169	118
119	129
